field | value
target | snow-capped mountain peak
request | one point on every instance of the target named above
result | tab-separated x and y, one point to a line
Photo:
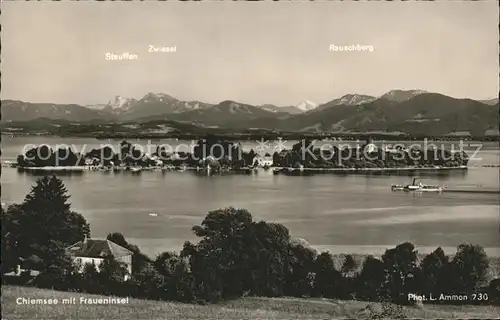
119	102
163	97
97	106
401	95
306	105
355	99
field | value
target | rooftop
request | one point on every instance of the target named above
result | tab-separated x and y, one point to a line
98	248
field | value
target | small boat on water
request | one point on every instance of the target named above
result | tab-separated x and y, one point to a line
420	187
153	214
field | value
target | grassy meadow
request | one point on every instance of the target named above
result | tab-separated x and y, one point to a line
244	308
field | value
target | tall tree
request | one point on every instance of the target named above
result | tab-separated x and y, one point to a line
59	270
327	278
148	283
401	271
468	268
45	216
9	260
237	255
433	276
299	279
176	276
349	266
370	279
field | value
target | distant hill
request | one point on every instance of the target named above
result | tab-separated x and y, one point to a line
306	105
150	105
401	95
119	103
426	113
97	127
491	102
159	104
225	113
13	110
408	111
328	119
348	100
358	99
287	109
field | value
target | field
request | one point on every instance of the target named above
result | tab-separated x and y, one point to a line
245	308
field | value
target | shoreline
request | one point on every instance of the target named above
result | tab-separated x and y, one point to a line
275	170
288	170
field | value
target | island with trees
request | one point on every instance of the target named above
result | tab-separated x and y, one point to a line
305	157
213	155
209	154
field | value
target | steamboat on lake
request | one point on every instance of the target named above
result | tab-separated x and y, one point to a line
417	187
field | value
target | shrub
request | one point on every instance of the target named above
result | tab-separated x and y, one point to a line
299	279
433	276
494	291
401	272
327	278
368	284
147	283
468	269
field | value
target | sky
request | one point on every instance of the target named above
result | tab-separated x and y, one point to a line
251	52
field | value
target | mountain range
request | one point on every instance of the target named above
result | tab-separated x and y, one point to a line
407	111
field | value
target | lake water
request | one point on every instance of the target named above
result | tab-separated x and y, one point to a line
352	213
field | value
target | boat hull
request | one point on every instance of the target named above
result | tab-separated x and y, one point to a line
431	189
395	187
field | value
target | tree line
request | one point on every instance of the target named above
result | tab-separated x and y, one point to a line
304	153
235	256
224	153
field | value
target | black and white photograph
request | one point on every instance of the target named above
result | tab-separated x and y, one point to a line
190	160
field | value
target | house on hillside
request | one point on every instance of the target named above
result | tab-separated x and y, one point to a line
95	251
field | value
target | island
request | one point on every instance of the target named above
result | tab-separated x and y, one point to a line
212	155
304	157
